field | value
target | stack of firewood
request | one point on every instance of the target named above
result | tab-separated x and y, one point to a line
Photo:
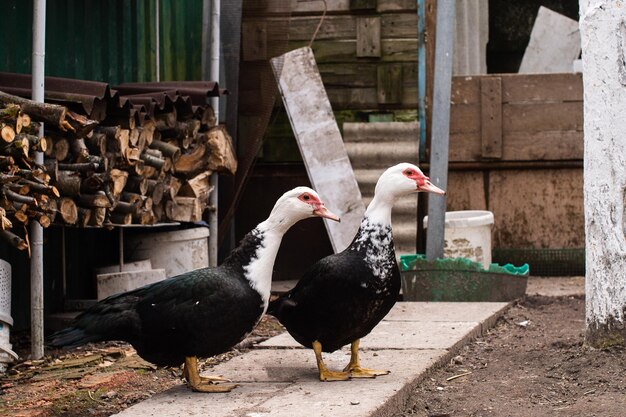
120	171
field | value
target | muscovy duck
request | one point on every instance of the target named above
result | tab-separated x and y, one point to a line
200	313
342	297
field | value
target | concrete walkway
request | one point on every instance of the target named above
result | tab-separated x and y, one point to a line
279	378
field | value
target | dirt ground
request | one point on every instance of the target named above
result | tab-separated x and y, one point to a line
533	363
98	379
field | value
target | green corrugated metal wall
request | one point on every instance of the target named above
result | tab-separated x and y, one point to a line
106	40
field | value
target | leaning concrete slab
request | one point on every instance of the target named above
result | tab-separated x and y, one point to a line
279	379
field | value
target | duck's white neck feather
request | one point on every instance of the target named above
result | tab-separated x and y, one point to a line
261	266
379	209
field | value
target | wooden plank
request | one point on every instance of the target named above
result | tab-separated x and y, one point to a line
320	142
362	4
329	51
465	118
342	27
530	216
491	117
396	5
368	37
542	116
466	191
254	40
465	147
390	84
519	88
543	146
465	90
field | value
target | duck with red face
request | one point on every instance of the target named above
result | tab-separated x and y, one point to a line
342	297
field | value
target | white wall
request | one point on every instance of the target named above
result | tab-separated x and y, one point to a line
603	36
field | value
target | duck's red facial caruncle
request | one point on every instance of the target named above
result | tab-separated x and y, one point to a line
318	206
422	182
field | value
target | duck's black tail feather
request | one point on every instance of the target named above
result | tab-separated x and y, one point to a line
70	337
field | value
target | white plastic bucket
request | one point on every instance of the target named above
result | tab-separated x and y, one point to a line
177	252
468	235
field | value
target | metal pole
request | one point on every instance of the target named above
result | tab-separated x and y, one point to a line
36	231
157	41
214	75
444	44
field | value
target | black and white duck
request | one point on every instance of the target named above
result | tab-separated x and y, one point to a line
342	297
200	313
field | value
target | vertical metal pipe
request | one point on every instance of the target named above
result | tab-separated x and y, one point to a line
444	45
36	231
157	42
215	75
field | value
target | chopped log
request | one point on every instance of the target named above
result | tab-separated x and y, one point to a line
222	155
198	187
35	142
117	217
5	223
156	189
126	207
20	215
7	132
97	200
84	217
137	184
49	146
133	136
184	209
52	168
144	217
172	186
206	116
118	179
192	162
158	212
42	112
68	183
9	113
41	188
6	161
61	149
153	161
98	215
18	198
97	144
24	120
21	189
133	155
40	217
117	139
167	149
51	209
14	240
68	211
84	167
150	172
80	124
132	198
79	149
166	120
18	148
92	184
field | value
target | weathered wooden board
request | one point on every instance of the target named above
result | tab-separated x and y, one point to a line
466	191
537	208
368	37
320	142
312	6
392	50
393	25
491	117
